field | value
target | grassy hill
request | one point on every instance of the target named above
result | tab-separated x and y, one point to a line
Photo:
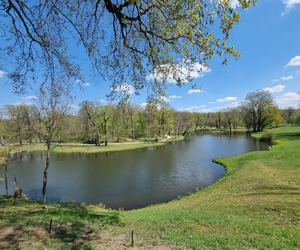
256	205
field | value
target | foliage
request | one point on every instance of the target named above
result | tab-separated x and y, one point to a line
259	111
266	137
125	40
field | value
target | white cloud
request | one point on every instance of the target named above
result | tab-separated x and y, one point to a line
195	91
164	99
295	61
230	105
73	108
210	108
234	3
284	78
183	72
228	99
290	99
143	104
290	3
81	83
194	108
2	73
27	100
275	89
175	97
124	88
30	98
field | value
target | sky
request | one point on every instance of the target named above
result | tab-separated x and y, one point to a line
268	39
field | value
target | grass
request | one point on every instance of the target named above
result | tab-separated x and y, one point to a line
85	148
256	205
214	130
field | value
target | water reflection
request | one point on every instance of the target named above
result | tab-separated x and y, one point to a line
129	179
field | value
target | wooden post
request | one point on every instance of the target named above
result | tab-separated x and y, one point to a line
5	176
132	242
50	226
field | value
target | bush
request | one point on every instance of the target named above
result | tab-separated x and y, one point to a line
267	137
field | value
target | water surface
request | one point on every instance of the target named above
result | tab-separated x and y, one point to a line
129	179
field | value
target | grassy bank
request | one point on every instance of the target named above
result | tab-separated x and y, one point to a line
85	148
256	205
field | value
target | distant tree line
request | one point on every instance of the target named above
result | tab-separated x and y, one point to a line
101	124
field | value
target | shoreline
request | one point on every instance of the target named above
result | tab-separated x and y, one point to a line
63	149
254	204
66	148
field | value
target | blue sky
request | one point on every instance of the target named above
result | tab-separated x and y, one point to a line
268	38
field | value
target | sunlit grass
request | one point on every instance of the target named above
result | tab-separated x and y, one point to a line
256	205
85	148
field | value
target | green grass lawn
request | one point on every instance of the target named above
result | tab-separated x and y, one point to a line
85	148
256	205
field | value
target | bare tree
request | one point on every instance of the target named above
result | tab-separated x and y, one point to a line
52	107
89	115
16	113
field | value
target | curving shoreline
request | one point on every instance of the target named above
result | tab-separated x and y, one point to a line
83	148
255	205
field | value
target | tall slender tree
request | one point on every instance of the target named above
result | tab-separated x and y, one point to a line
51	107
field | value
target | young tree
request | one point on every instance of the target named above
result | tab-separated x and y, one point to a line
51	108
275	116
104	115
228	120
17	114
198	120
89	115
151	115
29	116
165	119
287	114
183	123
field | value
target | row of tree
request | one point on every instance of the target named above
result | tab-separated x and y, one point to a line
100	124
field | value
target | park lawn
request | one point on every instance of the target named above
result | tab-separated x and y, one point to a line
256	205
85	148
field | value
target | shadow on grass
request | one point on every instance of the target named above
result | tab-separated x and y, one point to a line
274	190
75	225
290	136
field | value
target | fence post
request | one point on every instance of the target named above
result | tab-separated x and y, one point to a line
132	242
50	226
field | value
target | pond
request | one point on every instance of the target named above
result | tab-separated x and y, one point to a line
129	179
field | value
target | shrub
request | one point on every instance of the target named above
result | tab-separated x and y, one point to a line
267	137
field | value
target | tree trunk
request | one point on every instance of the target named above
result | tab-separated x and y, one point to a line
30	134
5	179
45	177
105	130
97	139
20	134
229	124
1	140
132	129
18	193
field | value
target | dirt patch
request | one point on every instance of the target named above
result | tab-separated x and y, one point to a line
12	237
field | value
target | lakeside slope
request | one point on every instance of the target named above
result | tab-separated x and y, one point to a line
256	205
